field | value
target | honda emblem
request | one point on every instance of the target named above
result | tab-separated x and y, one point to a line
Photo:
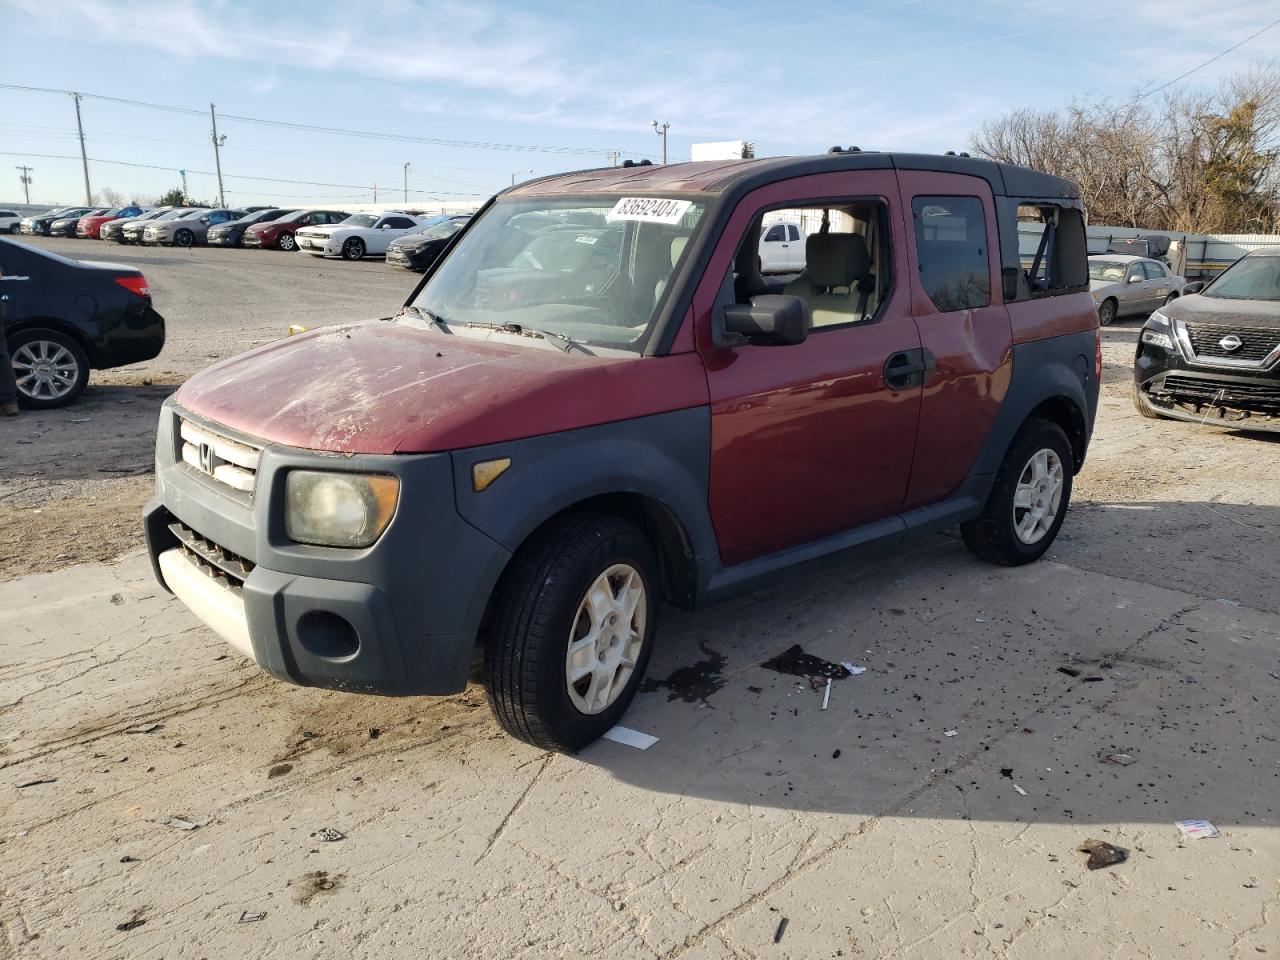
206	458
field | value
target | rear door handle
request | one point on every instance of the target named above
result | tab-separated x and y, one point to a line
908	368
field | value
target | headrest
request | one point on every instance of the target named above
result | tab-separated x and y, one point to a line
677	248
836	259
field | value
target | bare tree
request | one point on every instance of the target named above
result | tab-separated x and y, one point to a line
1185	162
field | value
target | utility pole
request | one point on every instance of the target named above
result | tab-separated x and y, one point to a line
217	157
375	193
662	132
406	181
614	157
516	173
26	182
84	157
186	197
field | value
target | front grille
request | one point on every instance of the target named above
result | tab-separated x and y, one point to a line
229	569
1262	397
230	463
1256	343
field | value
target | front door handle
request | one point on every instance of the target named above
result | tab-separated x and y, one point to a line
908	368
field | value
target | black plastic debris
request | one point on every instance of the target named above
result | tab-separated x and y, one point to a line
1069	671
128	859
133	923
782	928
1102	854
796	663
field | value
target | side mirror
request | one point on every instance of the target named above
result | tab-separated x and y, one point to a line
1134	280
768	320
204	219
1195	286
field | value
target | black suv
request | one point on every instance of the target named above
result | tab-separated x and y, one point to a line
1213	354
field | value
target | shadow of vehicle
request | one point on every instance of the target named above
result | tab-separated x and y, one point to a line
980	678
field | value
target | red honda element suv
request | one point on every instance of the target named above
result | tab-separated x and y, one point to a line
594	402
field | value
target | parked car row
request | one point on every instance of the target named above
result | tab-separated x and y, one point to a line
322	233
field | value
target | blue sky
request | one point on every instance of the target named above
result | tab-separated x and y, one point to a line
590	76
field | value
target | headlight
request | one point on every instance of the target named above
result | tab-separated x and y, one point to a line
1158	332
1157	339
338	509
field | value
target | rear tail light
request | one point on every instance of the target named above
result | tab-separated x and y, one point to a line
136	285
1097	358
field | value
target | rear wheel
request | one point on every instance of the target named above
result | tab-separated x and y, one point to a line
572	631
1028	500
1107	312
286	242
184	238
353	249
51	369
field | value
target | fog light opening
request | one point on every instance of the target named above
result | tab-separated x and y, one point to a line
328	635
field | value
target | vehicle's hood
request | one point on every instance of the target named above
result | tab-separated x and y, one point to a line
383	387
1194	308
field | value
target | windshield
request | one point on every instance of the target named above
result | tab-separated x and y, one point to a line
263	215
361	220
1107	270
590	269
442	230
1251	278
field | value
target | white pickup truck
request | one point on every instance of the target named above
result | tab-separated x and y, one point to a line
782	248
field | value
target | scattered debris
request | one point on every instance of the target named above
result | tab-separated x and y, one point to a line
178	823
133	923
795	662
1021	792
951	733
312	884
756	689
247	917
1092	680
128	859
782	928
374	733
826	694
36	783
279	770
836	754
1102	854
1198	829
1121	759
1069	671
630	738
151	729
853	669
1006	772
329	835
1229	603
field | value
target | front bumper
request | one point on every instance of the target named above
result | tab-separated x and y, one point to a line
223	240
318	246
398	618
1242	399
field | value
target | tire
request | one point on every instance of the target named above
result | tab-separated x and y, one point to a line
184	238
286	242
1106	312
353	249
995	536
542	607
51	368
1143	405
1173	295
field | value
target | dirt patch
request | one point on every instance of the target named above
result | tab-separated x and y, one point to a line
314	884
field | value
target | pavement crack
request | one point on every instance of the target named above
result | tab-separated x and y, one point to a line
515	807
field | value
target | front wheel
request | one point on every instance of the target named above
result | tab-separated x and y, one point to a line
1173	295
353	249
1106	313
1028	500
184	238
572	631
51	369
1144	406
286	242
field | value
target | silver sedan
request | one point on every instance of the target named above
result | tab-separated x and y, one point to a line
1122	285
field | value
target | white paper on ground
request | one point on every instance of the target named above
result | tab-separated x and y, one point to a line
1198	829
854	671
631	738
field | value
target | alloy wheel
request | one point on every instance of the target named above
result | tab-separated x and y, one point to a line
606	638
1038	496
45	370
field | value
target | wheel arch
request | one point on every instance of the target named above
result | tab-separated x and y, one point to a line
1066	413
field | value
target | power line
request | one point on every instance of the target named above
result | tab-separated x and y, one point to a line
333	131
1235	46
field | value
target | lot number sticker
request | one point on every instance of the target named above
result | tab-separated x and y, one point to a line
649	210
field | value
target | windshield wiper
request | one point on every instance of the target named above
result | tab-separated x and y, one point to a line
433	318
565	343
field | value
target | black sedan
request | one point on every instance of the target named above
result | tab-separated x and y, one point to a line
66	226
64	317
41	223
1213	354
417	251
230	234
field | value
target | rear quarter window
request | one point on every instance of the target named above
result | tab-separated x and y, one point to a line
951	246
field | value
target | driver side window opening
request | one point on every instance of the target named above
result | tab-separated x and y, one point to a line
836	260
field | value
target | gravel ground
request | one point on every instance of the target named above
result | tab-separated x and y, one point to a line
868	827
